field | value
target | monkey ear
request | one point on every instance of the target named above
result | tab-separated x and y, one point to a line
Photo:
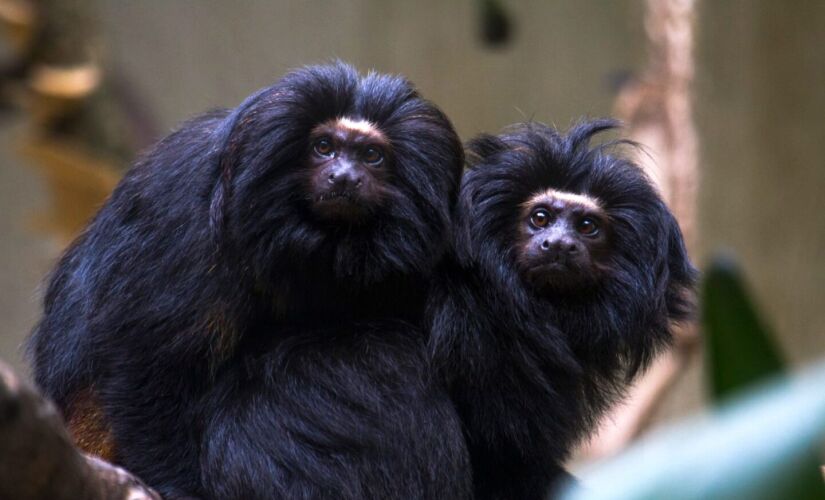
466	237
683	276
223	138
482	147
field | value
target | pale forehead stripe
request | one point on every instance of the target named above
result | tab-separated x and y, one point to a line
579	199
363	126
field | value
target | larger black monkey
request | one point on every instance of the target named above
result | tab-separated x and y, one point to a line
567	272
242	303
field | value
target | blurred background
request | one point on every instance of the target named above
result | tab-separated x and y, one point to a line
86	84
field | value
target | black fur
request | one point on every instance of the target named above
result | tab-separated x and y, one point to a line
530	373
207	250
337	412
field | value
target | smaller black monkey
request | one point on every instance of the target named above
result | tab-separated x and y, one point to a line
566	274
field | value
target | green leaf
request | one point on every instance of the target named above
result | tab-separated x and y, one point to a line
740	349
762	446
496	26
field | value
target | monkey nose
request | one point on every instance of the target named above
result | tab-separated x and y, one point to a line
559	246
546	244
346	178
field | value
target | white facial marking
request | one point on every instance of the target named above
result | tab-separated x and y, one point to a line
552	194
363	126
580	199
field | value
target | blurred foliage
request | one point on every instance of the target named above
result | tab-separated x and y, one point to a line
740	350
760	443
496	27
85	122
763	446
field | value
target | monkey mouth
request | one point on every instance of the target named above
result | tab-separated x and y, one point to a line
343	205
553	275
345	196
549	271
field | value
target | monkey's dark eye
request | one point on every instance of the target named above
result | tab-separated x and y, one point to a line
587	227
540	217
323	147
373	156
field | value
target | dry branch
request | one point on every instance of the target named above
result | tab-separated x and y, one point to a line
38	459
657	109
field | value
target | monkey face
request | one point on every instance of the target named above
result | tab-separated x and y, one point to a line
350	164
563	243
327	169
